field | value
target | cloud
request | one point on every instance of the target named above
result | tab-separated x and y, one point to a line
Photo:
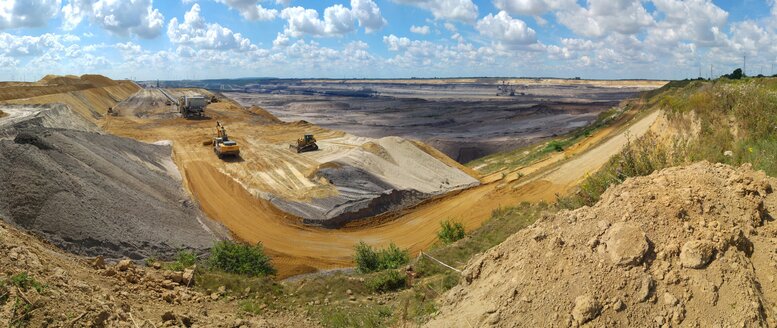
534	7
338	20
423	30
605	16
395	43
505	29
27	13
461	10
251	9
700	21
195	32
25	45
122	17
368	14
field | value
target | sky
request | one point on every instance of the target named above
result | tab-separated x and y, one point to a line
202	39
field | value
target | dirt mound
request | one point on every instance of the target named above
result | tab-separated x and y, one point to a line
54	289
98	80
687	246
96	194
380	176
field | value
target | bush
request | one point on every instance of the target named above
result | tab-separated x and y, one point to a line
555	145
183	260
369	260
386	281
450	231
239	258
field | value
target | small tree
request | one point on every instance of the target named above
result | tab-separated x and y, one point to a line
369	260
240	258
735	75
366	259
450	231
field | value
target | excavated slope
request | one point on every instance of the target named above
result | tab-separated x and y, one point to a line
379	176
91	193
688	246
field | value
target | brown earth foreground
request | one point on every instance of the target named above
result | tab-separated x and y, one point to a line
688	246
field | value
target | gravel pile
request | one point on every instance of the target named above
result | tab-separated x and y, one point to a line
96	194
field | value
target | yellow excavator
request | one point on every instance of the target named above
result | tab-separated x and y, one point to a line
222	145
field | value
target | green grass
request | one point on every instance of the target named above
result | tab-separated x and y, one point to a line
739	116
503	223
19	311
531	154
184	259
386	281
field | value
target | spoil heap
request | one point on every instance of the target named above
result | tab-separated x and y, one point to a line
94	194
686	246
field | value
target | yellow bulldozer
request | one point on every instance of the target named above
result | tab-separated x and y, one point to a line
222	145
307	143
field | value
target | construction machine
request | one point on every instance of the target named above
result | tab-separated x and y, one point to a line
222	145
190	106
307	143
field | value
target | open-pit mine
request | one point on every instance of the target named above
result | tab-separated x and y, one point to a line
108	167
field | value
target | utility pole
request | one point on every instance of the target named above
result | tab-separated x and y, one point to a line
710	72
744	69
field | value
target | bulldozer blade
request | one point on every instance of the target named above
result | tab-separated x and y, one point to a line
207	142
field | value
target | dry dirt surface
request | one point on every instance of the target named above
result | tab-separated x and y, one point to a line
79	292
464	119
687	246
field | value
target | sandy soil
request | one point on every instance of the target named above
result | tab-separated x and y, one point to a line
466	121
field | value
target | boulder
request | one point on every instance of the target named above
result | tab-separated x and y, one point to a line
696	254
626	244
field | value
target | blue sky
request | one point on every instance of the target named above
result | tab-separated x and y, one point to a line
180	39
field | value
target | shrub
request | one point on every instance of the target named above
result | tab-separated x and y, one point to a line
24	282
450	231
555	145
369	260
389	280
366	258
183	260
240	258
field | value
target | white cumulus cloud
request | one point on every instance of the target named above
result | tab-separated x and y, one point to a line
423	30
122	17
251	9
337	20
27	13
195	32
503	28
461	10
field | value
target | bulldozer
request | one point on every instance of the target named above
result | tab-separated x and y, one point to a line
307	143
222	145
